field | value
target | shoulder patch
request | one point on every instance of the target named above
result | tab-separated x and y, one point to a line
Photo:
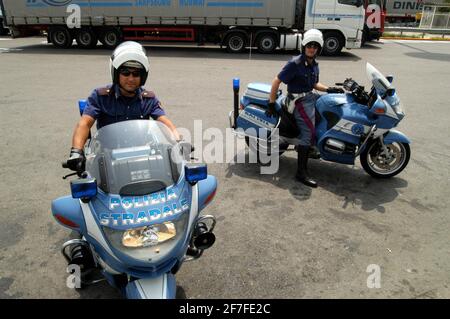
104	91
148	94
297	60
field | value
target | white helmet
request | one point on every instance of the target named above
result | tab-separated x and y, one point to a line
130	54
313	35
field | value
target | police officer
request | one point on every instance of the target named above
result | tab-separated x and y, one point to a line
301	75
125	99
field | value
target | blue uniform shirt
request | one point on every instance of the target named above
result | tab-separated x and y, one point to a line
108	106
299	76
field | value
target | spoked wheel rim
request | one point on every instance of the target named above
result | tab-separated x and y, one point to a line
389	161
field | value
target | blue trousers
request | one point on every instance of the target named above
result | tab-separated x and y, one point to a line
304	114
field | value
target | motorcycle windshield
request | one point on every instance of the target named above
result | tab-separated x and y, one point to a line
134	158
378	80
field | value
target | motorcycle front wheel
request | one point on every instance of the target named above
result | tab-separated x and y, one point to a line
385	164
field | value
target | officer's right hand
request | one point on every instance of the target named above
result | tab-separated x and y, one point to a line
335	90
77	160
271	111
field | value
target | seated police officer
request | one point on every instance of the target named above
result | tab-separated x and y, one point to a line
124	100
301	75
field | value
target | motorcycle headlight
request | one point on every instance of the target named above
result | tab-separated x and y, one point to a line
148	243
149	235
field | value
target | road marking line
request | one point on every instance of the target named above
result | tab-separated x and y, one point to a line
6	50
412	41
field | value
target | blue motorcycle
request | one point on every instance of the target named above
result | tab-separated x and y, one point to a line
357	123
135	210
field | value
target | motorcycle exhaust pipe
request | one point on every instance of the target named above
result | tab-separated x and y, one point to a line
236	87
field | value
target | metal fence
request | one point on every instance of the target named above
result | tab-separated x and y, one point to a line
435	17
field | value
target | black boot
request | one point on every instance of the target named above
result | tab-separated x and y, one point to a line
302	164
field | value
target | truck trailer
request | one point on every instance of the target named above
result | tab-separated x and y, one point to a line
233	24
406	11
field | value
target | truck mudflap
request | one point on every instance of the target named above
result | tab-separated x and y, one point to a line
353	43
162	287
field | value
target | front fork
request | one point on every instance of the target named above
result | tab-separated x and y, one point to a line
367	139
384	149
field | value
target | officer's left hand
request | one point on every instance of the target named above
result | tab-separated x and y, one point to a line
77	160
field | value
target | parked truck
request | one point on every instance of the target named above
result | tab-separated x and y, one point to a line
233	24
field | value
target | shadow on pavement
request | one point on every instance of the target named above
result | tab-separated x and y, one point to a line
353	184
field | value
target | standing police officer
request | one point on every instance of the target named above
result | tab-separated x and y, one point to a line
301	75
124	100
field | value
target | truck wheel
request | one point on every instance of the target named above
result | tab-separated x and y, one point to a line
86	39
235	42
333	43
267	43
61	37
111	38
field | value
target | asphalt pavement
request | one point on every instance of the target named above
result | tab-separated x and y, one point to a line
275	237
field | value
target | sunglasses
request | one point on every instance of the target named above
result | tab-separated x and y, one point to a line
312	46
126	72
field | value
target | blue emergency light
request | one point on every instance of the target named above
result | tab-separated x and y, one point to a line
236	83
195	172
84	188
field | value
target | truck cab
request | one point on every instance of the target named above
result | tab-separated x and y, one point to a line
341	21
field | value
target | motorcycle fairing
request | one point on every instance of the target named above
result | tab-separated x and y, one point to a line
123	212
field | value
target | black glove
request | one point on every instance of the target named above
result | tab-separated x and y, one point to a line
77	160
335	90
271	111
